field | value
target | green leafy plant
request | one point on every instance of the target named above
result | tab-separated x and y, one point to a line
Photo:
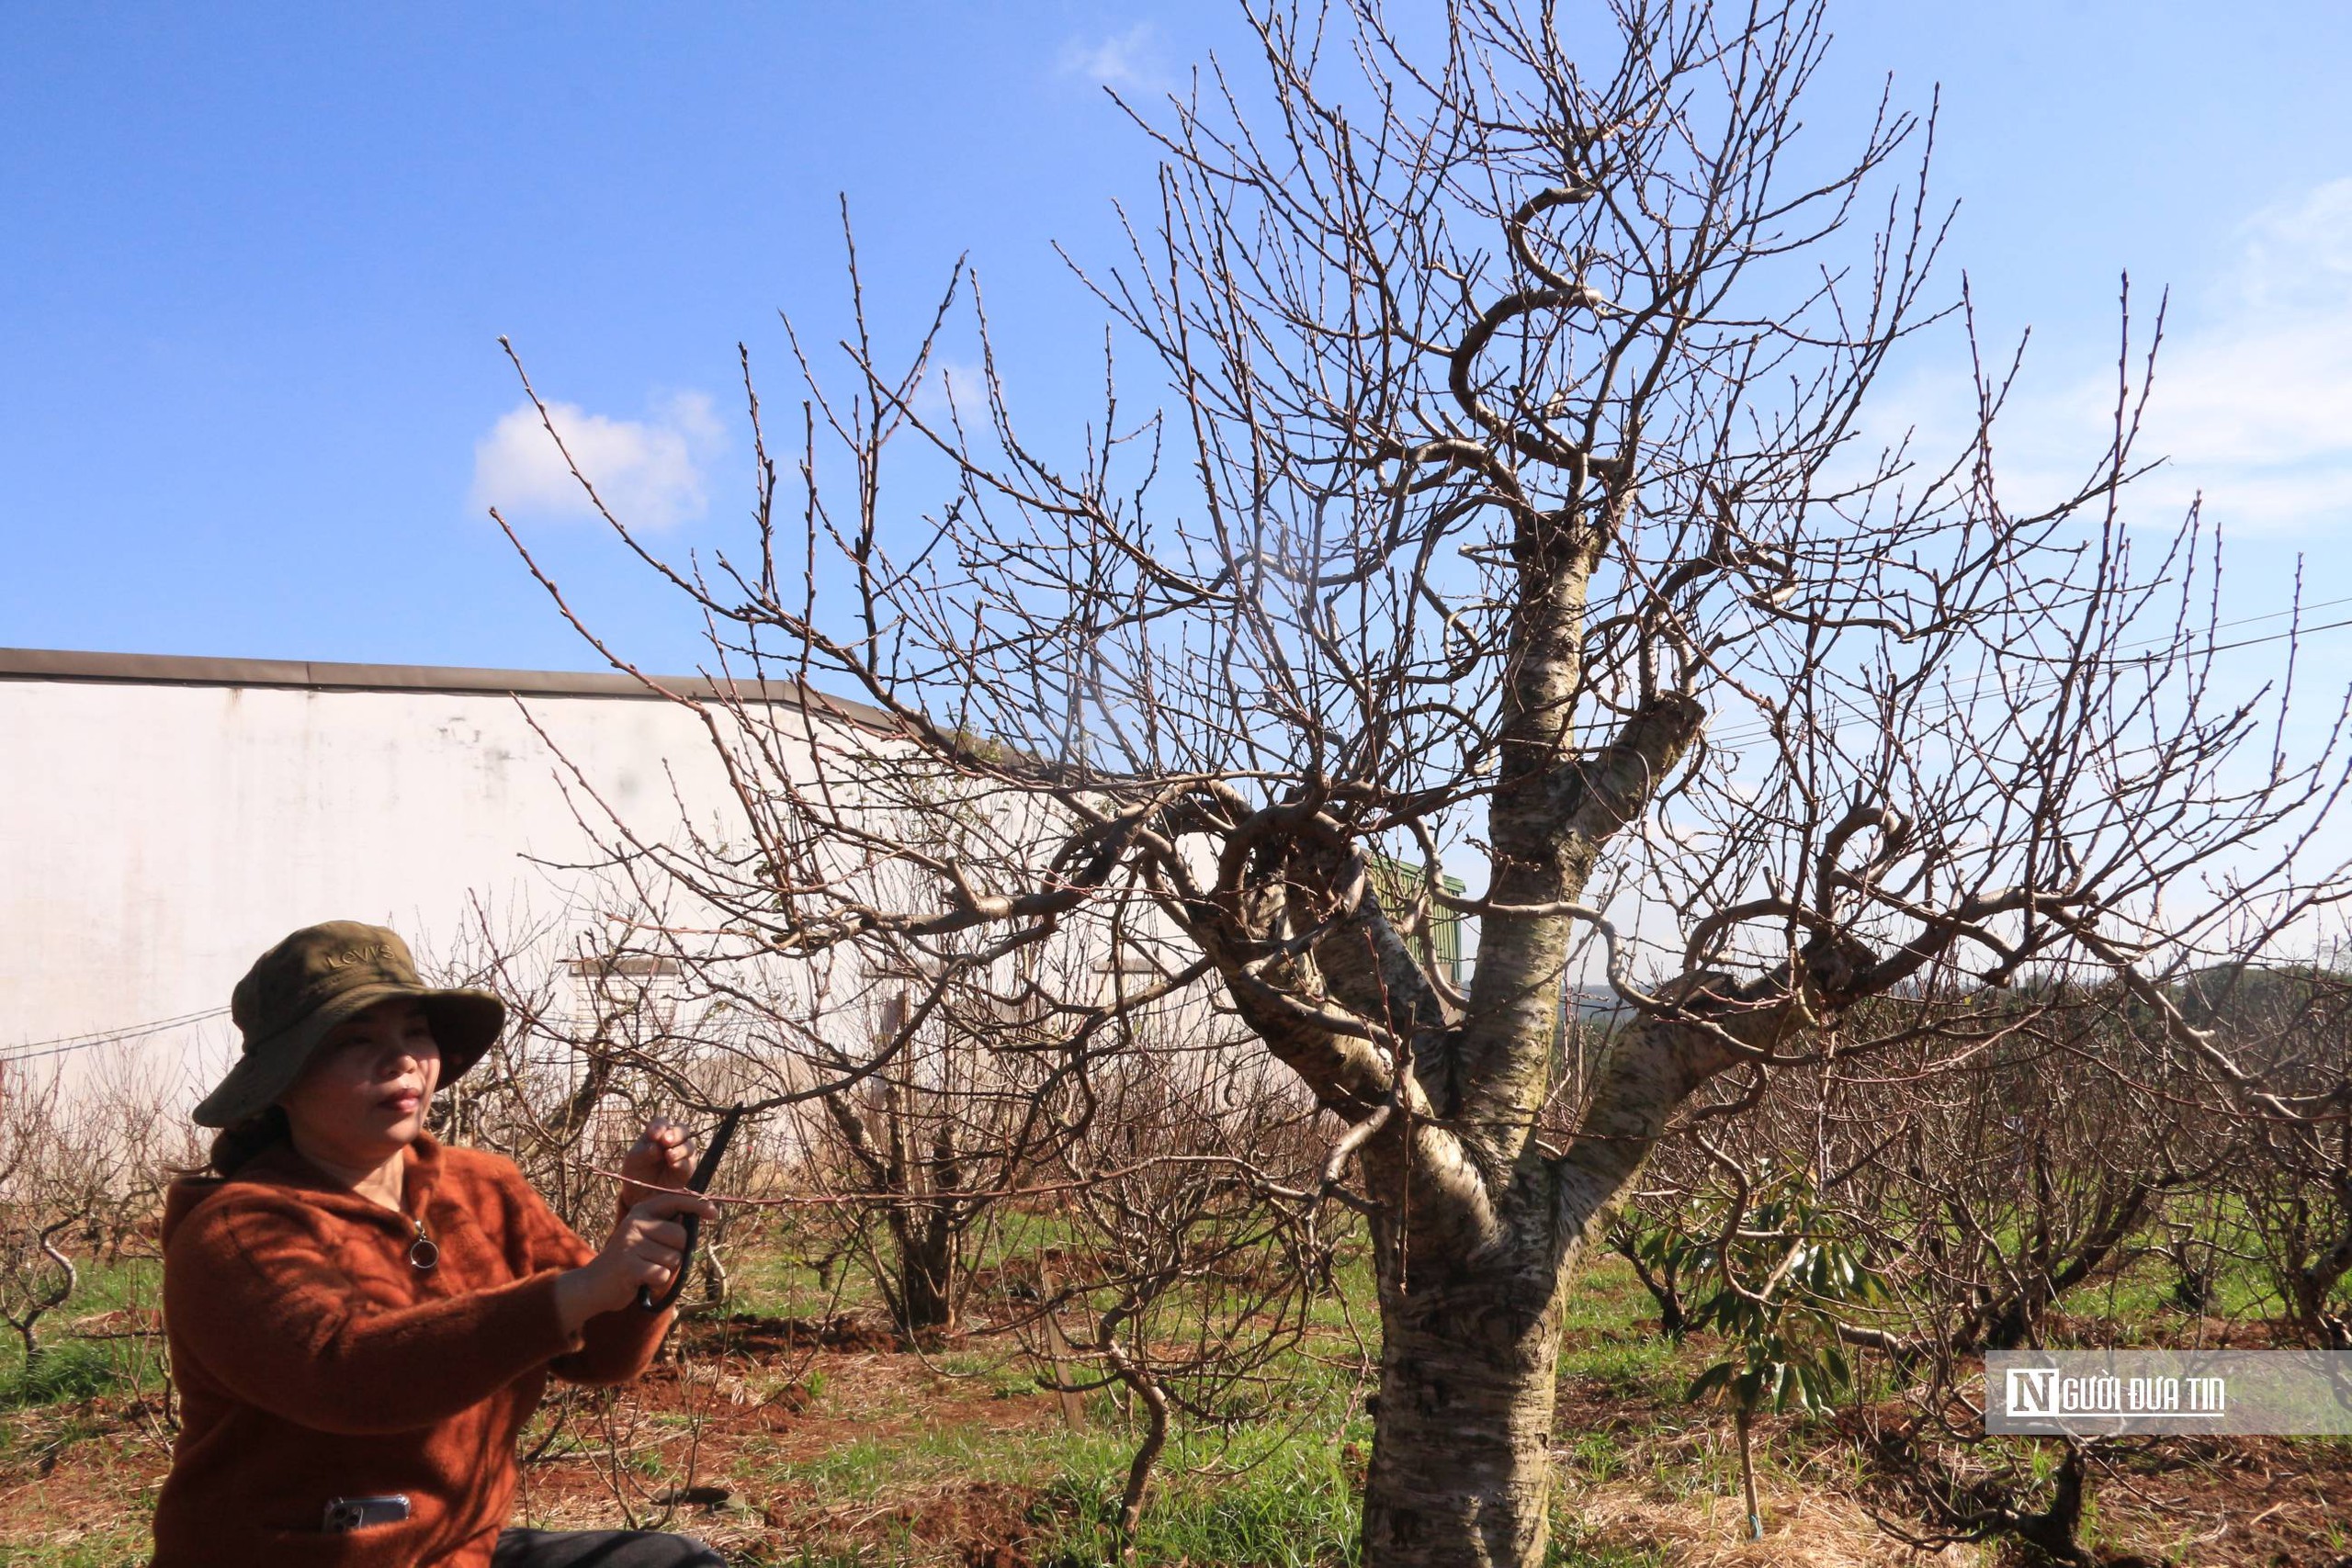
1783	1274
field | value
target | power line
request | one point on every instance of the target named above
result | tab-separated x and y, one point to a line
52	1051
2039	683
60	1044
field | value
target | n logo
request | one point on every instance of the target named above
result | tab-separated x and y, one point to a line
2033	1390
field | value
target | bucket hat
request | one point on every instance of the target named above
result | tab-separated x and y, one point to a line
315	979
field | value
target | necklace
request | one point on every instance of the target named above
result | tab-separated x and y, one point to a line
422	1253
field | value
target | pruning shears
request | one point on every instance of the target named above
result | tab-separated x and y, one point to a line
705	1168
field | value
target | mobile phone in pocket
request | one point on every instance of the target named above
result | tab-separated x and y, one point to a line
346	1514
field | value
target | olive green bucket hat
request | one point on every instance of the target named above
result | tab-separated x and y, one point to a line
315	979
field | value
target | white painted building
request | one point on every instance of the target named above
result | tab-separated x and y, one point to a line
166	819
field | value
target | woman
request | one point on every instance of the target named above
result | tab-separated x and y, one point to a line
360	1320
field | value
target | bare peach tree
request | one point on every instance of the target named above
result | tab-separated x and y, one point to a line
927	1154
1196	1252
2024	1148
1508	512
84	1162
2272	1047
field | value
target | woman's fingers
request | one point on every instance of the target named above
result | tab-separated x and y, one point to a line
648	1247
660	1157
664	1205
664	1233
651	1243
648	1276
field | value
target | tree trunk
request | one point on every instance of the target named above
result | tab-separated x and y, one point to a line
1744	1421
1492	1227
1664	1285
2051	1532
1460	1457
2314	1285
926	1248
1461	1467
2013	1323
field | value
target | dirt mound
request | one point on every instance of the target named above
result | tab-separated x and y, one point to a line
1022	1278
744	1333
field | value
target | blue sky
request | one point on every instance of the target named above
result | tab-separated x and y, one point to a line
254	262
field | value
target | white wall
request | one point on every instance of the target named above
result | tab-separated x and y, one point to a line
158	837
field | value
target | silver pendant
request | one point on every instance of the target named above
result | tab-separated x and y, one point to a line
422	1253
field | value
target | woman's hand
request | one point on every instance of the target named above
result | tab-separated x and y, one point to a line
645	1248
659	1161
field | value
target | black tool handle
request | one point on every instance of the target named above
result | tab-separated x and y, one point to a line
698	1182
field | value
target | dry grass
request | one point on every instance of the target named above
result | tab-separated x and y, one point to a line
1803	1529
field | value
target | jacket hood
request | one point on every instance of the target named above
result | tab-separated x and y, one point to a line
281	1167
183	1198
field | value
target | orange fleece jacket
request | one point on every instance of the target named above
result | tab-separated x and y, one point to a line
314	1361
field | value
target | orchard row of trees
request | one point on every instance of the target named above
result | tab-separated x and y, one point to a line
1164	1222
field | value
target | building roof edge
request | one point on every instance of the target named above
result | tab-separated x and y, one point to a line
67	665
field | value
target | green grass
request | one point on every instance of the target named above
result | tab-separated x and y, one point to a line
1266	1498
1267	1495
1002	1377
1280	1495
118	1547
69	1369
1597	1457
1634	1368
73	1370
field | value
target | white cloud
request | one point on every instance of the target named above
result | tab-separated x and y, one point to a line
650	472
952	383
2252	400
1130	61
2254	404
2299	255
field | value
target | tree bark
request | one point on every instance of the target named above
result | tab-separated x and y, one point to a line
2314	1284
1462	1471
1461	1466
1744	1422
926	1249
